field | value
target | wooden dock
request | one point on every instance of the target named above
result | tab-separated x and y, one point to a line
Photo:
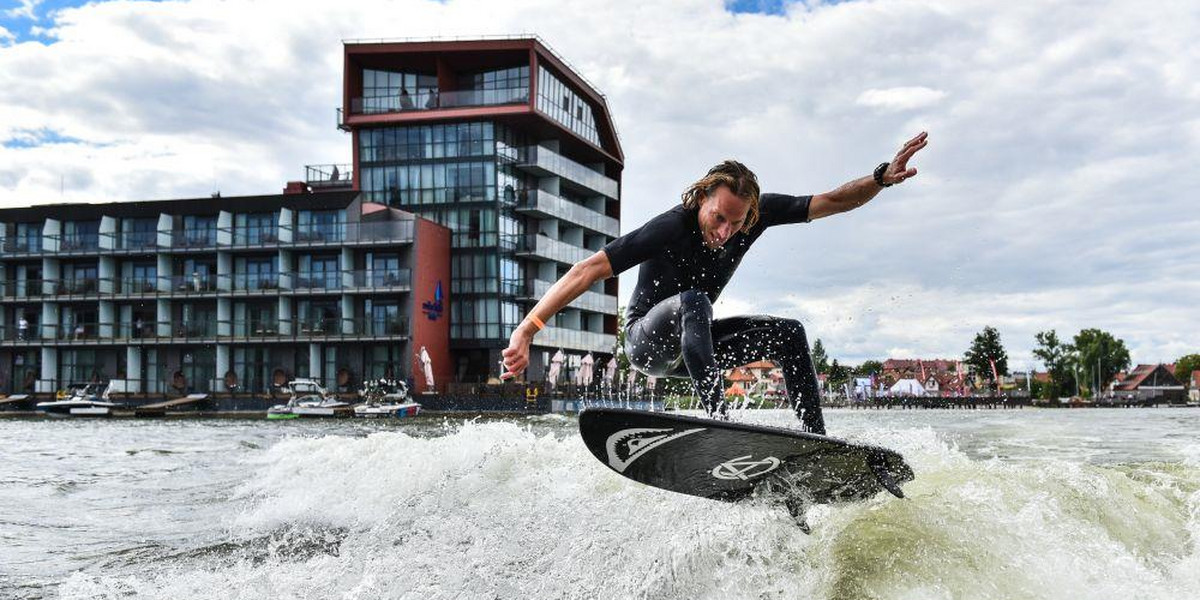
159	409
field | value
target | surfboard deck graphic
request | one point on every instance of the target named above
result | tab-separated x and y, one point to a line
732	461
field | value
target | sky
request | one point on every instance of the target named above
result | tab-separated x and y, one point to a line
1058	190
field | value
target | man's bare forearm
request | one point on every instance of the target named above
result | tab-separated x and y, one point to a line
853	194
572	285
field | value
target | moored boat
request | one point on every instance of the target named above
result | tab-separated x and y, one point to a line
80	400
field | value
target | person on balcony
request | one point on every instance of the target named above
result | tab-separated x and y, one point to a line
687	256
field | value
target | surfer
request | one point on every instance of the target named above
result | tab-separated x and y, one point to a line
687	255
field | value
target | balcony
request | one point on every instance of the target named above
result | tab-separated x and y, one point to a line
543	204
572	339
588	300
542	162
538	246
322	177
208	331
374	280
426	100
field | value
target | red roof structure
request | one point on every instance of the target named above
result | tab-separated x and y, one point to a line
1148	376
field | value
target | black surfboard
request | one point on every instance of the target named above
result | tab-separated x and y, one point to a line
730	461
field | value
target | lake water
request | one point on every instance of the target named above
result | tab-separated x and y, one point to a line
1006	504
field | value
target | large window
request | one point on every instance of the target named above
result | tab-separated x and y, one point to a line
81	235
426	142
390	91
199	368
253	367
565	106
77	366
320	226
256	228
502	79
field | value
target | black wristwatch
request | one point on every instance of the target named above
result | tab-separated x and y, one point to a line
879	171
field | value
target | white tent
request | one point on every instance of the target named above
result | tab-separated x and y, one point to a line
586	370
555	367
426	367
907	387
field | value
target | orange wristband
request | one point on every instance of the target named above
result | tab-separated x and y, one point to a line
537	321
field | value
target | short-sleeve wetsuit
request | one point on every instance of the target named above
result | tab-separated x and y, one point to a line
669	328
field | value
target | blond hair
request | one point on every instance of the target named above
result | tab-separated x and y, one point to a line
733	175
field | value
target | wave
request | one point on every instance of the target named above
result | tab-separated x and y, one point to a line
510	510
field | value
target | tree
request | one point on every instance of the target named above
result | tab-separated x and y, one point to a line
838	375
984	351
1101	356
1184	366
820	357
1059	360
870	367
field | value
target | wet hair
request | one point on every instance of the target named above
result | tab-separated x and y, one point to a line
733	175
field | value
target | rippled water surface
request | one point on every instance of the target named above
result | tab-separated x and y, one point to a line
1006	504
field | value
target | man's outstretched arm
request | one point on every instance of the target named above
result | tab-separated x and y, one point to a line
582	275
856	193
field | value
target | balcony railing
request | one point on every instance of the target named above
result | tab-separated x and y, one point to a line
543	161
545	204
359	281
588	300
572	339
181	331
540	246
327	176
433	100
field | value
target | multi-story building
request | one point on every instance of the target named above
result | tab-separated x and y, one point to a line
502	142
219	294
345	276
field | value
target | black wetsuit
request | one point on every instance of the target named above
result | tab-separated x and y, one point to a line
669	328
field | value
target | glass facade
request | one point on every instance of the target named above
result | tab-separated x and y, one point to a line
462	176
565	106
387	91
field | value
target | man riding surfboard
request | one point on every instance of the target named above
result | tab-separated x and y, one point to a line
687	255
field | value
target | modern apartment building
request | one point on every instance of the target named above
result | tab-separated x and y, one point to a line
506	145
482	170
219	294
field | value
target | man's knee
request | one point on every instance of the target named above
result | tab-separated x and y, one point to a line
695	303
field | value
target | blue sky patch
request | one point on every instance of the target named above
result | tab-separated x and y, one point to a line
764	7
32	138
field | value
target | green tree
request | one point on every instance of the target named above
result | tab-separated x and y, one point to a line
838	375
1184	366
870	367
1100	357
985	350
819	357
1059	360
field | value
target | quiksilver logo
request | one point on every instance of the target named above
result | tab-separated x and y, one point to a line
742	468
628	445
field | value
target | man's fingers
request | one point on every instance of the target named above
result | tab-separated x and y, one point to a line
907	152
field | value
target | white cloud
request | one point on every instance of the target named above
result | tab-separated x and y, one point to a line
900	98
1055	192
6	36
26	9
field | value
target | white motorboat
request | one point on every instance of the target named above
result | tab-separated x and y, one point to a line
308	399
80	400
386	398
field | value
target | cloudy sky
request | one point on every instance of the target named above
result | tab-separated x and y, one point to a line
1059	189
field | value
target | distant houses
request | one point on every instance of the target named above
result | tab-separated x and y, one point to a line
1150	382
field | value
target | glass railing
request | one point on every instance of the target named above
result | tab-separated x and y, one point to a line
542	246
433	100
194	238
23	245
544	159
188	331
135	285
194	283
77	242
247	282
339	175
135	240
380	278
265	235
588	300
546	203
573	339
317	280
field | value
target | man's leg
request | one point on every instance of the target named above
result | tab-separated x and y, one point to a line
674	339
742	340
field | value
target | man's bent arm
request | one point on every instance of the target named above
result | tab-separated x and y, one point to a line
582	276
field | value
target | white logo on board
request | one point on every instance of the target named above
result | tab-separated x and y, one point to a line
628	445
743	468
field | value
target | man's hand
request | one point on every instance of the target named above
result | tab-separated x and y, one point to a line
516	355
899	170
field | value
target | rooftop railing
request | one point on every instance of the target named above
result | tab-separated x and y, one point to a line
422	100
326	176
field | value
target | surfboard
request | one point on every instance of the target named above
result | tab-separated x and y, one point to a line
730	461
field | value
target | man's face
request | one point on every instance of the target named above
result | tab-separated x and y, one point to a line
722	214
